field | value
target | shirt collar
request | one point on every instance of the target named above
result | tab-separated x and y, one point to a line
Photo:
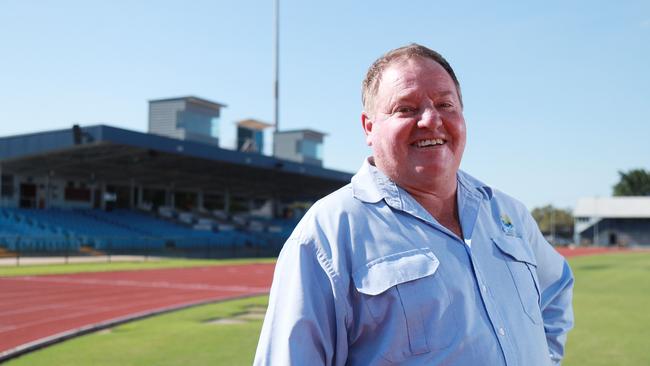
473	185
371	185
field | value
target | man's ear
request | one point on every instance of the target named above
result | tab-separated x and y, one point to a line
366	123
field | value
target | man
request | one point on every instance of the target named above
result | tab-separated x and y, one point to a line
416	262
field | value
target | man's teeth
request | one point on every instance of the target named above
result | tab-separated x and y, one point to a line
430	142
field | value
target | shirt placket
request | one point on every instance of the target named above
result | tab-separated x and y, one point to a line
496	319
468	208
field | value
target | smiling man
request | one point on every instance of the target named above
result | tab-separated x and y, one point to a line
416	262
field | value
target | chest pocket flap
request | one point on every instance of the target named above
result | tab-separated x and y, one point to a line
379	275
523	268
516	249
395	300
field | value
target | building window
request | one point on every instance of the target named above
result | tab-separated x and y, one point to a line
312	149
7	185
198	122
76	194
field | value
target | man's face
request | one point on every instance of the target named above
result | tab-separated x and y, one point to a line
415	124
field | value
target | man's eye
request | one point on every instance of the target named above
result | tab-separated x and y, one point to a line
445	105
404	110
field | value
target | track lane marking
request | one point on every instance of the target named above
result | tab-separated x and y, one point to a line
133	283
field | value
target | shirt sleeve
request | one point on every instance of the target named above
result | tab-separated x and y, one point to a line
556	288
300	326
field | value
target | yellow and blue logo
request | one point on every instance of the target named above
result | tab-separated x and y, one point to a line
506	225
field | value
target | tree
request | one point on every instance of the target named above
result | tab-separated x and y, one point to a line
635	182
554	221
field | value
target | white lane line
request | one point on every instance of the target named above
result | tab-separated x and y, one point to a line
157	284
98	309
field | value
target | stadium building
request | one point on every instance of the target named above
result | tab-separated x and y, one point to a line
101	188
612	221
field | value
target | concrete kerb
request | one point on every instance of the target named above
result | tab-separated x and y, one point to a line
29	261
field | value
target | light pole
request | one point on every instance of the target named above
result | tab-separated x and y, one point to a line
276	63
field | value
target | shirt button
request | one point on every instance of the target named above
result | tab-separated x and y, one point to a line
502	331
483	288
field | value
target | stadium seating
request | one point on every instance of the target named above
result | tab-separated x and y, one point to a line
58	230
21	232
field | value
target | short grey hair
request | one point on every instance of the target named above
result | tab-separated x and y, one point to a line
373	77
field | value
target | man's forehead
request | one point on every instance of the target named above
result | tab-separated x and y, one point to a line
413	72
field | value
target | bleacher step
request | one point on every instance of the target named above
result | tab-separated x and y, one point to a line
90	251
5	253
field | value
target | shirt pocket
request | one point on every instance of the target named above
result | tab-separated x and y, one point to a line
403	295
523	269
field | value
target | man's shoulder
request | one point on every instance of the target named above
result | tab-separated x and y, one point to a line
491	193
332	218
341	201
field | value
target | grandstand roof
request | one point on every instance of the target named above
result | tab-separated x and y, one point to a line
192	99
117	156
613	207
306	131
253	124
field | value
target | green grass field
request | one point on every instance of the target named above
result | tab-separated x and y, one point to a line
612	296
180	338
39	269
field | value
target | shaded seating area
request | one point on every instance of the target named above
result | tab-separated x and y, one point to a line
58	230
23	232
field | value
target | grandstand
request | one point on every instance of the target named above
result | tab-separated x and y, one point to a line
105	189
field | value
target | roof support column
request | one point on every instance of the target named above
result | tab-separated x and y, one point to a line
1	182
275	207
102	193
140	200
132	195
170	199
199	201
93	188
48	182
226	201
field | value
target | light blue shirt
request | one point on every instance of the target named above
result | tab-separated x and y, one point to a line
369	277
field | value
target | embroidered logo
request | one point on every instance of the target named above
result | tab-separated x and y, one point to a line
506	225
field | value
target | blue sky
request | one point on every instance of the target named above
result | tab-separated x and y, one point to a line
557	93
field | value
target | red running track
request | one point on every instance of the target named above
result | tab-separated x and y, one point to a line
39	310
580	251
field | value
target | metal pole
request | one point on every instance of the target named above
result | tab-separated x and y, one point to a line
276	61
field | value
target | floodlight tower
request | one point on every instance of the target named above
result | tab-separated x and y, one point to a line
276	59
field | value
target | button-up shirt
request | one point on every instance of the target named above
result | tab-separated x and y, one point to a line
369	277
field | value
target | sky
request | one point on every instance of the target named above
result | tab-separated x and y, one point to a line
556	93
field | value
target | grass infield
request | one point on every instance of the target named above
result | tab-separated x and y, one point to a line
612	295
180	338
611	302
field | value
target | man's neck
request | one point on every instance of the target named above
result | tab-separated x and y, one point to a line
441	204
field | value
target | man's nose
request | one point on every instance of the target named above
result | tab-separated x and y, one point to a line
430	118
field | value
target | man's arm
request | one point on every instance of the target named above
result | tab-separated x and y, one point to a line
556	288
300	327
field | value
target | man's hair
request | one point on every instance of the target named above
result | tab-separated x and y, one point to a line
373	77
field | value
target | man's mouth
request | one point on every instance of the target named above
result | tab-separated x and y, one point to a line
428	142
